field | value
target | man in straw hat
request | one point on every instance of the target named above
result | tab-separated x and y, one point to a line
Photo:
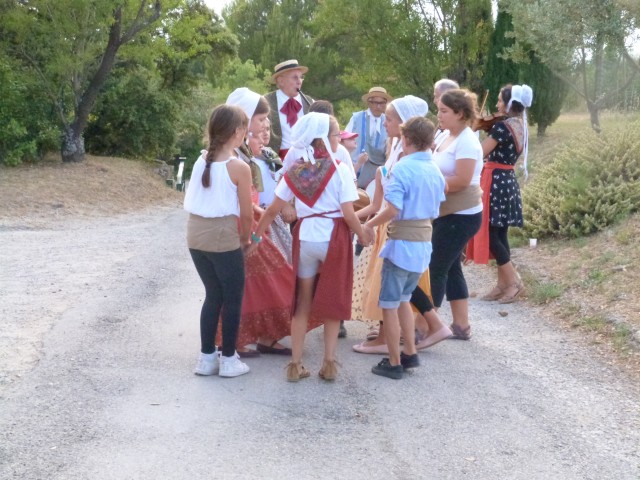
287	104
372	136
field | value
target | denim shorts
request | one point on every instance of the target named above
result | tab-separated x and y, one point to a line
397	285
312	254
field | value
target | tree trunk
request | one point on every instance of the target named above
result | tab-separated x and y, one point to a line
594	114
542	130
72	146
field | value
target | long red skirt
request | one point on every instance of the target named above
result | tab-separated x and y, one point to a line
268	294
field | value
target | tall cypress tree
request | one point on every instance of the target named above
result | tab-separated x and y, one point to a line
500	71
548	93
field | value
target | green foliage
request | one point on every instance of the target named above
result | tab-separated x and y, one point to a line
473	30
27	126
573	38
133	117
500	70
548	93
592	183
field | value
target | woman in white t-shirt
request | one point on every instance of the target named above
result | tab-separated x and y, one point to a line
324	193
459	158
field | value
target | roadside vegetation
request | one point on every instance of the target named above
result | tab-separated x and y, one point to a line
586	268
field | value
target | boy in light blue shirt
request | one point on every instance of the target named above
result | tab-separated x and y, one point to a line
413	194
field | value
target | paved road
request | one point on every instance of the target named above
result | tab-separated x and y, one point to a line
112	394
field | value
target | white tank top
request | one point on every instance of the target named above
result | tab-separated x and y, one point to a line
220	199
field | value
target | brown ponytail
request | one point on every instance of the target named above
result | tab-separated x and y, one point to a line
224	122
462	101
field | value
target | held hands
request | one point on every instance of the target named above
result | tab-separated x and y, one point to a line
368	236
252	244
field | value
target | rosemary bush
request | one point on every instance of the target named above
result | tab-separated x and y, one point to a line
593	182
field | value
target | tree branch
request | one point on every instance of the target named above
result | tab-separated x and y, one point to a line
45	82
140	23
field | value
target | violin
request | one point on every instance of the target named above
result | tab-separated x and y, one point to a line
485	123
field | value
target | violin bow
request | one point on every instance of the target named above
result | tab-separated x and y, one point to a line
484	101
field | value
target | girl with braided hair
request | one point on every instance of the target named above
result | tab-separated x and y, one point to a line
218	200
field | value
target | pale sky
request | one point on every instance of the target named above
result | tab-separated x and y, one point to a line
217	5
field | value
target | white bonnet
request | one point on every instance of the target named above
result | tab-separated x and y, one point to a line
521	94
524	95
410	106
311	126
245	99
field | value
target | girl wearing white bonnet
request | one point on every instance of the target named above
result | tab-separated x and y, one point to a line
366	294
324	191
266	304
502	200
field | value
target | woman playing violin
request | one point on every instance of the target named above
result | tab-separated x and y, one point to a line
506	141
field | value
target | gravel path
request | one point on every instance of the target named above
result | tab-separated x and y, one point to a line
99	335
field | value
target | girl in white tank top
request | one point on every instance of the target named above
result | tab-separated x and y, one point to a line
218	199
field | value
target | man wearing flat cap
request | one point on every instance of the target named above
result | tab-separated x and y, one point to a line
372	136
287	104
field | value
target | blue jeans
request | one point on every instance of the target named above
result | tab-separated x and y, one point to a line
396	286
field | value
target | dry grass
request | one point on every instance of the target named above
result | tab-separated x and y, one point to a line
48	192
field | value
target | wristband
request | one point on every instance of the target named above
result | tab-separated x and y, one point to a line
255	238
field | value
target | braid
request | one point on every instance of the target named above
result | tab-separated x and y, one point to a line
211	153
223	125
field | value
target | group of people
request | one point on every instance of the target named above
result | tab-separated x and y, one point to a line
276	198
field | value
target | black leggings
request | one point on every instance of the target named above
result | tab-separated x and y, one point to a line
420	300
499	244
223	277
450	236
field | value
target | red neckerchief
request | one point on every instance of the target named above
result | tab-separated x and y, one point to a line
291	108
307	181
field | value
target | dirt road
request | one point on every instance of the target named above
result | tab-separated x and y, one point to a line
98	339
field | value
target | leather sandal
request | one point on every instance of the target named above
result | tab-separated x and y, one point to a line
494	294
519	290
329	370
460	333
296	371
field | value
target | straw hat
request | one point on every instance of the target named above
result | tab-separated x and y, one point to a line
287	66
377	92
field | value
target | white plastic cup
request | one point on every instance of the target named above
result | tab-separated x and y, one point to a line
533	242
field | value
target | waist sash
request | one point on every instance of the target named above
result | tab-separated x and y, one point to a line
457	201
411	230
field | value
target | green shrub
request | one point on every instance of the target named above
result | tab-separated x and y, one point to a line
593	182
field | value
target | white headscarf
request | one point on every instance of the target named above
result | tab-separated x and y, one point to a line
407	107
410	106
245	99
311	126
524	95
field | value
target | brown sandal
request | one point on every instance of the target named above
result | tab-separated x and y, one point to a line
296	371
460	333
329	370
493	295
512	298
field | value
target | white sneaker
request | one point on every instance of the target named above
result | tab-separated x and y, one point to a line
208	364
232	366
